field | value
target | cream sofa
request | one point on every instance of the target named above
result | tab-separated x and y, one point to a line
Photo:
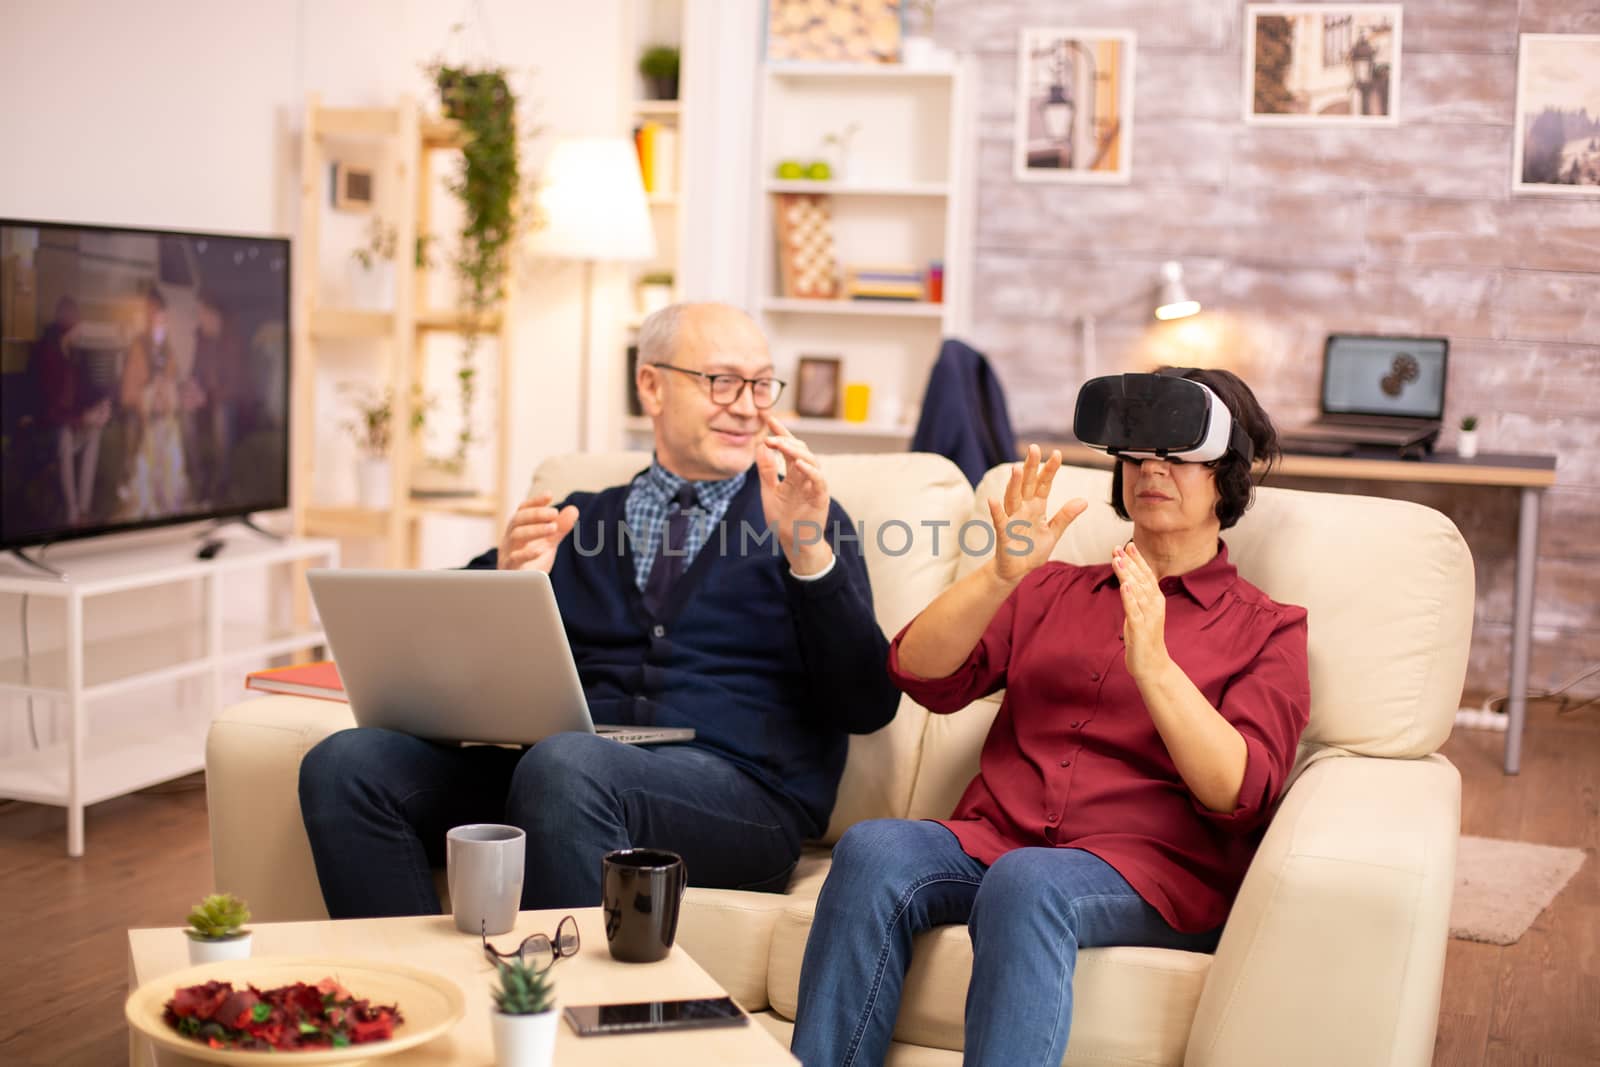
1334	952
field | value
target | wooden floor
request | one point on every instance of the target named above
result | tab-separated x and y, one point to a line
63	954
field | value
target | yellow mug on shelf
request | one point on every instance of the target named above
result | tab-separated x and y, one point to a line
857	399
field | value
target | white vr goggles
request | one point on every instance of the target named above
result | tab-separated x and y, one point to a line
1157	416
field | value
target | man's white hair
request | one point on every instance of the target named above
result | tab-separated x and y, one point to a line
658	334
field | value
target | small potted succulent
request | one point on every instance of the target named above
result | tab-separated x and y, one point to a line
216	929
659	66
524	1015
1467	439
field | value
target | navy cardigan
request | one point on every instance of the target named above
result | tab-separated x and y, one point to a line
772	673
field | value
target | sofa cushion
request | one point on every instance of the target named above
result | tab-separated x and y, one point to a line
1130	1005
259	848
1389	607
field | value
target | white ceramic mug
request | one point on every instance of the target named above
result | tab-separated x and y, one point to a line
485	872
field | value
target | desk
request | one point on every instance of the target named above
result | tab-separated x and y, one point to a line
1530	474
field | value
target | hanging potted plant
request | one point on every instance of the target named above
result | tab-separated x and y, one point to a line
489	187
524	1018
216	929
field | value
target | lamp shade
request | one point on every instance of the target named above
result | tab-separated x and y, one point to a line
1172	299
593	204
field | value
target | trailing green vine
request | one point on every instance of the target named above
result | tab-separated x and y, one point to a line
489	186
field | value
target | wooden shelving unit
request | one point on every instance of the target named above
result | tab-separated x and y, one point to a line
901	197
408	140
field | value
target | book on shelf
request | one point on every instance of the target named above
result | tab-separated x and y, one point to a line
884	283
657	146
319	680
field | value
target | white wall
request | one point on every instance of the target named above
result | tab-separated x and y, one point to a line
186	114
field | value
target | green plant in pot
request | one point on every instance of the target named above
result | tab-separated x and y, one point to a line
659	67
216	929
524	1017
488	184
372	430
1467	439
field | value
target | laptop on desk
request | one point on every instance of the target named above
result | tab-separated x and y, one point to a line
1383	392
459	656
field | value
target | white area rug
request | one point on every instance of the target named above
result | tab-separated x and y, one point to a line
1502	886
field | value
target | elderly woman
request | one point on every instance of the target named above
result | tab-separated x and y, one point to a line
1152	711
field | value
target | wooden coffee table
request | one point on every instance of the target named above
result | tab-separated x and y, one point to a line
433	943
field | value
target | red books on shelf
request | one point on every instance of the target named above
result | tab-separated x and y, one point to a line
320	680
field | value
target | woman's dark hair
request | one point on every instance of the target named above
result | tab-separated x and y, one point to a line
1235	485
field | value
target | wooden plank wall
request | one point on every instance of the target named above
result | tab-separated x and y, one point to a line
1287	234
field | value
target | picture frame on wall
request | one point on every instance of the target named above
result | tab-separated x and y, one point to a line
1322	64
835	31
816	393
1557	136
1074	106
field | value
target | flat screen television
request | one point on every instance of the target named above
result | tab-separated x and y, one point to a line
144	379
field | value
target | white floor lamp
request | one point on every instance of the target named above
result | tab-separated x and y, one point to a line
593	203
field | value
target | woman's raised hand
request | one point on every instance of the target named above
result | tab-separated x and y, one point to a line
1024	537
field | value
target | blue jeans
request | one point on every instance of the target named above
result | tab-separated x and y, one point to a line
1027	915
377	805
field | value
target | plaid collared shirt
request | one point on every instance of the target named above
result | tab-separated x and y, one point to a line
646	509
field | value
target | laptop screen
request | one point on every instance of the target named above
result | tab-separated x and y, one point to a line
1368	375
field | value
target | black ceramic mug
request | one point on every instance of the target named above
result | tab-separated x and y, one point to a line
641	890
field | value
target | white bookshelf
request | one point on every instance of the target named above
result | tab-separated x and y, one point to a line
72	669
900	198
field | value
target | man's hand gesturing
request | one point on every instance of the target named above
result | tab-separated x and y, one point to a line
534	533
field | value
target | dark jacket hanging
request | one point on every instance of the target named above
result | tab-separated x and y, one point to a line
964	413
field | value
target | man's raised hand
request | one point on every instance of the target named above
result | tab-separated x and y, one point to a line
533	534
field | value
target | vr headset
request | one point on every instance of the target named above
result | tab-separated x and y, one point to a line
1157	416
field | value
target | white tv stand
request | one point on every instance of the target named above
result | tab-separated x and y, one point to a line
86	769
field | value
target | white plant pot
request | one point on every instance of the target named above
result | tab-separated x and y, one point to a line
524	1040
372	482
1467	444
920	53
227	948
372	288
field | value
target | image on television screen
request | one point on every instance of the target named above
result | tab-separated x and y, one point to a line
144	378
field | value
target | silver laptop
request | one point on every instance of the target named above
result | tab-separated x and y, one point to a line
459	656
1376	391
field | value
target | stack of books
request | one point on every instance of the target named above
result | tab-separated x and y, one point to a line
884	283
658	157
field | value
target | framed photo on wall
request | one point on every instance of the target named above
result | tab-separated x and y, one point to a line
816	393
1557	137
1322	64
1074	108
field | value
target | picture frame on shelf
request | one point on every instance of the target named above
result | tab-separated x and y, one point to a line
1557	134
845	31
817	384
1074	106
353	189
1322	64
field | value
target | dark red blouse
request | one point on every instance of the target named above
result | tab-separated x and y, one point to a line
1073	759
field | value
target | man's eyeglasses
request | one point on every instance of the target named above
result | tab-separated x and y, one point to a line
726	388
538	951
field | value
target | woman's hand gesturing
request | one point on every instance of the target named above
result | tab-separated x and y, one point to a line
1024	538
1144	628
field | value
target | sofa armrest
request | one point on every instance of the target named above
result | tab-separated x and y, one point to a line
259	849
1334	951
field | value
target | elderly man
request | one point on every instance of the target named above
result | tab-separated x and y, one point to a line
707	592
